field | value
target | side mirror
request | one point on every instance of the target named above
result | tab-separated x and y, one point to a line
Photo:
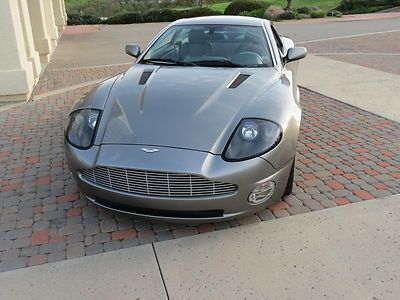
132	50
295	53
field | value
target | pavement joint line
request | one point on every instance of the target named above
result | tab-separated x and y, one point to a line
355	53
347	36
11	105
67	89
90	67
159	269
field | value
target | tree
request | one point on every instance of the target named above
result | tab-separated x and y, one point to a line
289	3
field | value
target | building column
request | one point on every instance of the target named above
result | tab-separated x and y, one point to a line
64	11
59	14
16	72
41	37
51	23
31	53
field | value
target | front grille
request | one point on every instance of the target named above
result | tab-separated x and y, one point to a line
160	184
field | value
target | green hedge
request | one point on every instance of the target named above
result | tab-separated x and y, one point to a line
317	14
257	13
160	15
288	15
239	6
76	19
155	15
307	9
365	6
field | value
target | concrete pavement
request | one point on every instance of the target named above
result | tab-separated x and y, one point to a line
303	32
114	275
372	90
349	252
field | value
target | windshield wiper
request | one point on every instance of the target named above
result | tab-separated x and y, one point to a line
170	62
217	63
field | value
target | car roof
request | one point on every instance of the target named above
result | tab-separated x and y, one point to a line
222	20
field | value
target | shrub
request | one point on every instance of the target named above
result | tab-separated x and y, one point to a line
365	6
347	5
301	16
197	12
317	14
288	15
334	13
128	18
160	15
238	6
78	19
272	13
307	9
257	13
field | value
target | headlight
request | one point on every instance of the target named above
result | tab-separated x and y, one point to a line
82	127
253	137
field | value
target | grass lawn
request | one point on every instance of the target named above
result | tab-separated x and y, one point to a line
67	2
322	4
76	1
75	4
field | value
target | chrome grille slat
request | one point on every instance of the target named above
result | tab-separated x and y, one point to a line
151	183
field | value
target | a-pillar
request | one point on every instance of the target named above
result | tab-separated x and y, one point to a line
51	23
16	72
41	36
31	53
59	14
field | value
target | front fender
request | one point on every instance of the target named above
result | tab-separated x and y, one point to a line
97	97
280	105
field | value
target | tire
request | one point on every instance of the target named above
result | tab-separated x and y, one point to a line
289	185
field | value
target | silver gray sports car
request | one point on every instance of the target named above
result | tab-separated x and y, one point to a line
202	127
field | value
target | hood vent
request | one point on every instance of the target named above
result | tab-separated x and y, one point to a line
238	81
145	76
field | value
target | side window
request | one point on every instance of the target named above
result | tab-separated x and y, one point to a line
278	40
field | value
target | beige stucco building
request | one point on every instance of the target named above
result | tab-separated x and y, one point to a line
29	32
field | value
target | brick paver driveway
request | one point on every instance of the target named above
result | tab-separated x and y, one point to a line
344	155
380	51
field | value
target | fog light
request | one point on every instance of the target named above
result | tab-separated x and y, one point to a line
262	192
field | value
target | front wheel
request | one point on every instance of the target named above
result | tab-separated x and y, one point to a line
289	185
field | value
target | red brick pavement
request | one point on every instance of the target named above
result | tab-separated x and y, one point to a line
54	79
81	29
44	219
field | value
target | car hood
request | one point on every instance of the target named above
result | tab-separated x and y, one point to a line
184	107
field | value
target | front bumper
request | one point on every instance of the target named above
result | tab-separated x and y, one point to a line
247	175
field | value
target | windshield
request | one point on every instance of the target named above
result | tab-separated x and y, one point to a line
211	45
